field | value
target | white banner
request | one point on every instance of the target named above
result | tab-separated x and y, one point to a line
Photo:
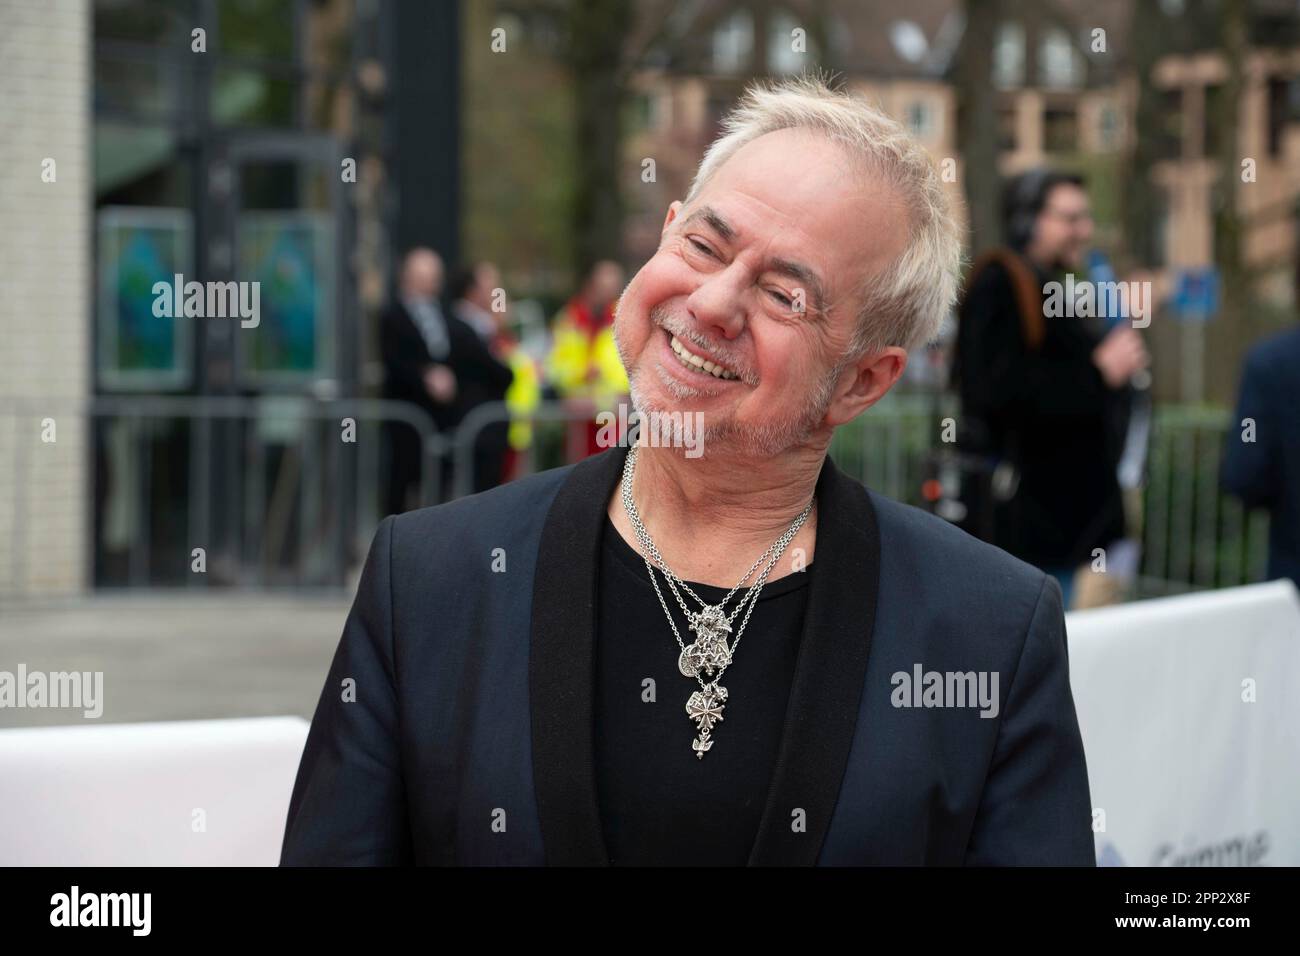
1190	714
180	793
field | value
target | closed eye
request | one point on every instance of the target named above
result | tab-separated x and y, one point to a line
701	247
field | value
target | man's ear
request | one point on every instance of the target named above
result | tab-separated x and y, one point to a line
673	209
868	379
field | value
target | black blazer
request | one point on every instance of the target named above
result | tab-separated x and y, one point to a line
473	694
1265	473
480	376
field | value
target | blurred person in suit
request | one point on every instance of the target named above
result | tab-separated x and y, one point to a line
415	346
482	364
439	362
1261	460
472	290
480	302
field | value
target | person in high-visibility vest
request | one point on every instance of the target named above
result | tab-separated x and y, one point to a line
522	398
583	364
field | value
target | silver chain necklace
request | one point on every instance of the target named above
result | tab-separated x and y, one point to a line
708	656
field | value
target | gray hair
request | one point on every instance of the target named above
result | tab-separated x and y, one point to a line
906	303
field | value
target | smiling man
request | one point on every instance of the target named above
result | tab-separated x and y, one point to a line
743	657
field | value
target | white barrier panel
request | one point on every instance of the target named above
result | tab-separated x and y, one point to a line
181	793
1190	713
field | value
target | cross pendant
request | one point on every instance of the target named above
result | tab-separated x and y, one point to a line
705	708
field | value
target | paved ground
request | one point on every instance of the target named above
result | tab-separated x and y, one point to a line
179	657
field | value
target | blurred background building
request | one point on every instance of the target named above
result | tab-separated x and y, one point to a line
293	143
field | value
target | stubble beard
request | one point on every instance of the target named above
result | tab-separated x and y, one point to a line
763	440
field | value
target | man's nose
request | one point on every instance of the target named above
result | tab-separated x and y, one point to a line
719	301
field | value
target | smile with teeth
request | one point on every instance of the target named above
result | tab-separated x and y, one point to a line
699	363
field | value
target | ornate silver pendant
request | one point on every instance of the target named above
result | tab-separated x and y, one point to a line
710	653
705	708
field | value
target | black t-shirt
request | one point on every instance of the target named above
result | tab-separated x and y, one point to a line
660	804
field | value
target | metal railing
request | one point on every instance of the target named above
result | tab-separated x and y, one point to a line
310	477
1193	535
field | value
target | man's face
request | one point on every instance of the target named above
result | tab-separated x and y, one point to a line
422	275
486	279
1063	230
760	275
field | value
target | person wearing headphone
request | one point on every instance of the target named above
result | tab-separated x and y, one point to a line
1041	394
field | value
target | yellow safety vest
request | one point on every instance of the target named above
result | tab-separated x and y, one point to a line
574	352
522	397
